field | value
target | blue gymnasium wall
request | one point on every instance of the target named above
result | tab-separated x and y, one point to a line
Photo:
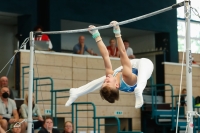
28	14
104	11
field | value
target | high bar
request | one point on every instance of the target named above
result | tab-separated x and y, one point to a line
120	23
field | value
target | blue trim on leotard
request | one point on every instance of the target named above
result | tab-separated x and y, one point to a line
125	87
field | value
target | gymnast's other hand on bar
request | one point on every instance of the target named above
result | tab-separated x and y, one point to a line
116	28
95	33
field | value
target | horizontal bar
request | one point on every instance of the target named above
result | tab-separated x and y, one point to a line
60	90
83	103
150	53
120	23
85	127
63	97
43	84
42	78
25	67
64	113
45	100
26	73
162	90
160	85
108	125
85	110
178	95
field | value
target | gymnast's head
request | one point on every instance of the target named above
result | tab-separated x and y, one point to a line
110	89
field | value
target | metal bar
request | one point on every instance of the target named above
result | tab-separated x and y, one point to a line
76	117
120	23
84	110
11	63
188	63
45	100
30	92
85	126
108	125
43	78
43	84
56	109
150	53
61	90
173	112
53	101
62	96
98	125
94	116
36	91
118	123
64	113
73	113
26	73
23	82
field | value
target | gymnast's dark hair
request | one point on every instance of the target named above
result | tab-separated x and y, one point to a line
109	94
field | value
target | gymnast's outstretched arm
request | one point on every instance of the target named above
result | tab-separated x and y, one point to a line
128	77
103	50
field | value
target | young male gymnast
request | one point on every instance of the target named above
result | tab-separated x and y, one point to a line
131	76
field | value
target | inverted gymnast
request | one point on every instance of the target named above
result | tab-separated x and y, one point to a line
131	76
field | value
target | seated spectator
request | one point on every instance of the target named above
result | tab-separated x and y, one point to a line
112	49
80	48
43	37
36	112
48	126
68	127
16	128
4	83
7	109
1	130
129	50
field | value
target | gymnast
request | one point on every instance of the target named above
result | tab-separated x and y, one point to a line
131	76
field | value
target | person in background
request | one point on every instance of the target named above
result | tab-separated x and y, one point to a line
36	112
43	37
129	50
112	49
80	48
4	83
8	110
68	127
48	126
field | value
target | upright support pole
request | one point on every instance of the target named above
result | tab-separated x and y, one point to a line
30	89
188	66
